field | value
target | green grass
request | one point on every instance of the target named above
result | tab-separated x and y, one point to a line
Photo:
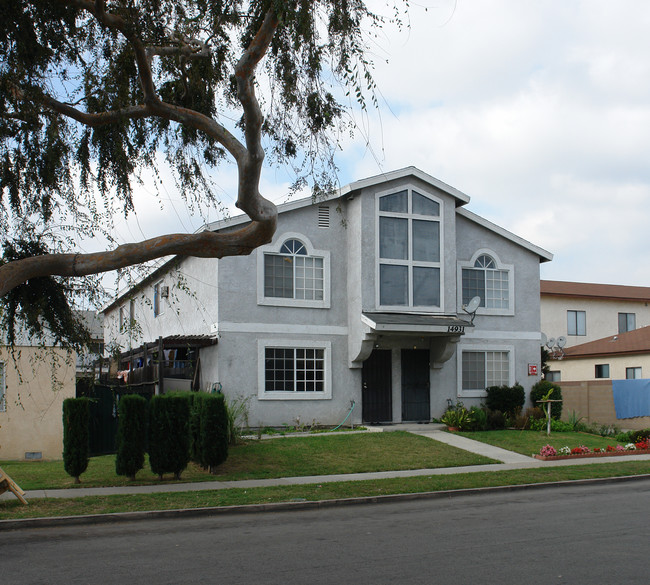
314	492
316	455
530	442
281	457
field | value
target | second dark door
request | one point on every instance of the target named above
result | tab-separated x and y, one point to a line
415	385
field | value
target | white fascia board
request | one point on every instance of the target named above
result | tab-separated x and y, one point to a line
403	173
544	255
349	189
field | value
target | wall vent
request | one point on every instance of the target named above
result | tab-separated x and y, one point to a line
323	216
33	455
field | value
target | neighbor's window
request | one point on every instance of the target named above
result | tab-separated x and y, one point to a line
157	299
633	373
602	370
408	249
576	323
626	322
553	376
488	281
481	369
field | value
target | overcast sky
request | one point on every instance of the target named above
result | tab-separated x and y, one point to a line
539	110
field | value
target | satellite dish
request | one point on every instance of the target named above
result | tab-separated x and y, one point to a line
472	305
551	342
561	341
544	339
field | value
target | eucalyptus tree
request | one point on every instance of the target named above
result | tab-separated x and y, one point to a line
94	94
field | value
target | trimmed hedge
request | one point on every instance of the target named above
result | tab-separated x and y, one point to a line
507	399
541	389
76	436
131	435
214	431
169	436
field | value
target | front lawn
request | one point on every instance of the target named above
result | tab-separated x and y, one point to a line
281	457
530	442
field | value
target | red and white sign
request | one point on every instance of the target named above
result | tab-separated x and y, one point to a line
532	369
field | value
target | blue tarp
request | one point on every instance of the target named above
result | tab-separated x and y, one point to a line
631	398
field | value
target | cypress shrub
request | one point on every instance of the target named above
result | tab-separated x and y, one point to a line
169	436
507	399
541	389
214	431
195	426
131	435
76	436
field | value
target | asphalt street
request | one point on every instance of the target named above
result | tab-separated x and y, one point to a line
595	534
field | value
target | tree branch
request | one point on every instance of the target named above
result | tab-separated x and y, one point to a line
204	245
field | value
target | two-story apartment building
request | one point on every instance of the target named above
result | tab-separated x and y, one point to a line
357	301
605	327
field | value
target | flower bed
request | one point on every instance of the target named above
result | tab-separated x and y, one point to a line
549	453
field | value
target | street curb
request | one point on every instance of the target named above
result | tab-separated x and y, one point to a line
293	506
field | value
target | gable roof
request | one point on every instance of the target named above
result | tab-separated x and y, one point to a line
349	191
587	290
632	342
544	256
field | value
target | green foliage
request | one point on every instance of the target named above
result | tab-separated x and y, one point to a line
169	436
507	399
237	411
557	426
457	417
40	306
60	66
633	436
547	389
496	420
76	436
131	435
479	418
196	399
214	431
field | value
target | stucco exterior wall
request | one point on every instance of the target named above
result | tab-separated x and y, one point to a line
585	368
601	316
518	332
226	298
32	420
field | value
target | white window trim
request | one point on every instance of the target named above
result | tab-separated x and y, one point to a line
3	387
500	266
410	263
263	344
463	347
274	248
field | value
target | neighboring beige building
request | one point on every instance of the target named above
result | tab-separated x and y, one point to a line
584	312
616	357
32	391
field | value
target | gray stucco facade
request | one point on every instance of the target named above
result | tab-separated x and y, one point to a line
357	301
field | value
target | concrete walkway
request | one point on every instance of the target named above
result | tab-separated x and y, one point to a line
508	460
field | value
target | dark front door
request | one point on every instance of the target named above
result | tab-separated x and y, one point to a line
376	393
415	385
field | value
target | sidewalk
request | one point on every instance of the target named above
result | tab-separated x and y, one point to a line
508	460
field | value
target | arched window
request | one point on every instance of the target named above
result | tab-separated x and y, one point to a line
487	281
292	273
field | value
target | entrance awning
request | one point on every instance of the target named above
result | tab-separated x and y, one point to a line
414	324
